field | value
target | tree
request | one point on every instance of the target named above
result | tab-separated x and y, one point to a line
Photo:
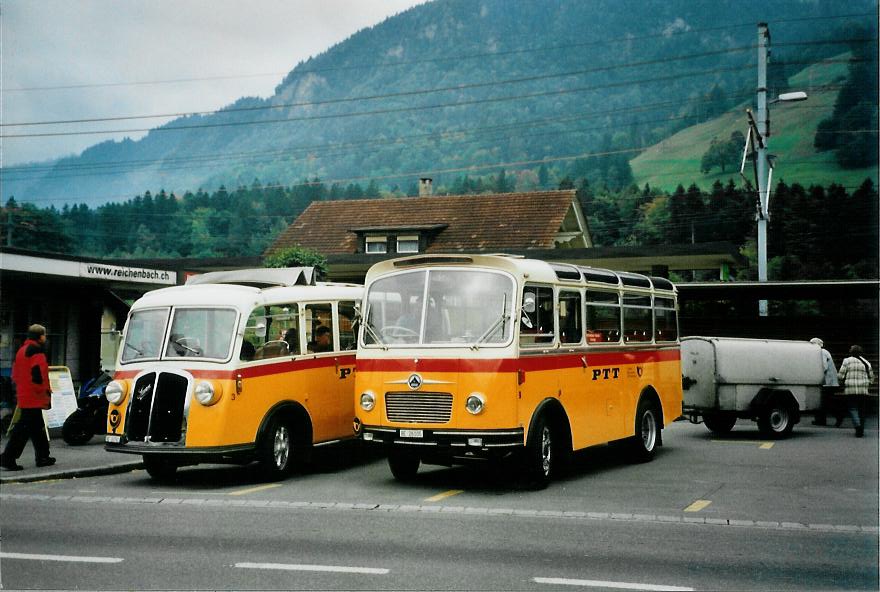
297	257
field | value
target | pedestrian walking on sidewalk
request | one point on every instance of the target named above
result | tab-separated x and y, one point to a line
856	375
829	384
30	373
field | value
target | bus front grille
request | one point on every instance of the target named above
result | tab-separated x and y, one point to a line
156	410
417	407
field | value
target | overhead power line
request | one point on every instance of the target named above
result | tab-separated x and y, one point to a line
409	93
385	111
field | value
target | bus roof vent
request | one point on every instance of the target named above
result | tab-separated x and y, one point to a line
432	260
662	283
634	279
258	278
603	276
566	272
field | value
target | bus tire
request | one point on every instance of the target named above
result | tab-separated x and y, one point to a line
276	450
539	456
720	423
160	469
643	445
776	419
403	464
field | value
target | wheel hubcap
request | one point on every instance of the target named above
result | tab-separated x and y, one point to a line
778	420
546	450
281	446
649	430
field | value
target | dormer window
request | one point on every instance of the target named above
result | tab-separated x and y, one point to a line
377	244
408	243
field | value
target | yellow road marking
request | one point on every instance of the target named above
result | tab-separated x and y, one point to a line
762	444
697	506
253	489
444	495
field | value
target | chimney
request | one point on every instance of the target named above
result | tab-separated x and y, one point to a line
424	187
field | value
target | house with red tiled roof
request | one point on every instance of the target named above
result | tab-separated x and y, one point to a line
440	224
550	225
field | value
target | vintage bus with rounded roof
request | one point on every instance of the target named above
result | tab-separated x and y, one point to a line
238	366
478	356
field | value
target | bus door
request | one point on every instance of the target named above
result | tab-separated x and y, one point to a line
327	403
584	413
538	349
604	380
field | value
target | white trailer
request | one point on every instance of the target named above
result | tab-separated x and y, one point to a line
766	380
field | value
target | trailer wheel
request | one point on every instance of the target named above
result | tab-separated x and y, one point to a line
720	423
776	420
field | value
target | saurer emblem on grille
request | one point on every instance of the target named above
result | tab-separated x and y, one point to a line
144	392
414	382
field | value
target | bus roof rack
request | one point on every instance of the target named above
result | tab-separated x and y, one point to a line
258	278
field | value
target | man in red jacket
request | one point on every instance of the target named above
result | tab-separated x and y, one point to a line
30	373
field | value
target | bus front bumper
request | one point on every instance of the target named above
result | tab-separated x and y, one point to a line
446	442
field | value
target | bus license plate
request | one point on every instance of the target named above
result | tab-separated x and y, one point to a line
412	433
113	439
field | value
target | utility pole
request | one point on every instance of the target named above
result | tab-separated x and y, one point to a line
756	146
763	169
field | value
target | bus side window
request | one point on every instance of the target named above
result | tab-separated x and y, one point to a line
319	328
637	319
272	332
603	317
536	317
571	328
665	323
347	326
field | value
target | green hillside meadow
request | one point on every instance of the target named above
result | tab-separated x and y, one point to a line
676	160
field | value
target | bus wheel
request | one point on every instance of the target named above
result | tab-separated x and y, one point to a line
776	419
404	465
643	444
720	423
539	457
276	450
160	469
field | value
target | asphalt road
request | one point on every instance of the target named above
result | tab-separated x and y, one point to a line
732	513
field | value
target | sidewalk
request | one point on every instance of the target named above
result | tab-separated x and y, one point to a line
72	461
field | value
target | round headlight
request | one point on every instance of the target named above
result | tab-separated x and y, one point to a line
115	392
475	403
368	401
205	393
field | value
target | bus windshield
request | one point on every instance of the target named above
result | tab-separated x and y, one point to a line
205	333
440	307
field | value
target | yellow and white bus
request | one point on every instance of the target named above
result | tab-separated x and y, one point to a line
473	357
234	367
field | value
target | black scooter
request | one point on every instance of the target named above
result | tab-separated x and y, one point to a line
90	418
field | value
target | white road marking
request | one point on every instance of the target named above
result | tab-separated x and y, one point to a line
603	584
323	568
71	558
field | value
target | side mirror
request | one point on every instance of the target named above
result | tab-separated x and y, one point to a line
529	302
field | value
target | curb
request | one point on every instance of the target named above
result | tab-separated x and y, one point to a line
74	473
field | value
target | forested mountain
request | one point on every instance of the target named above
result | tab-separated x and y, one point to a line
545	89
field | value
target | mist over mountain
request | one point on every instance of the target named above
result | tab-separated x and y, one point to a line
465	87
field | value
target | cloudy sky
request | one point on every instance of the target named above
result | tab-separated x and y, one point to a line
80	59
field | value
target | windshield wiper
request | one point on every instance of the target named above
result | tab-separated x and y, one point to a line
499	321
179	341
360	318
140	353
